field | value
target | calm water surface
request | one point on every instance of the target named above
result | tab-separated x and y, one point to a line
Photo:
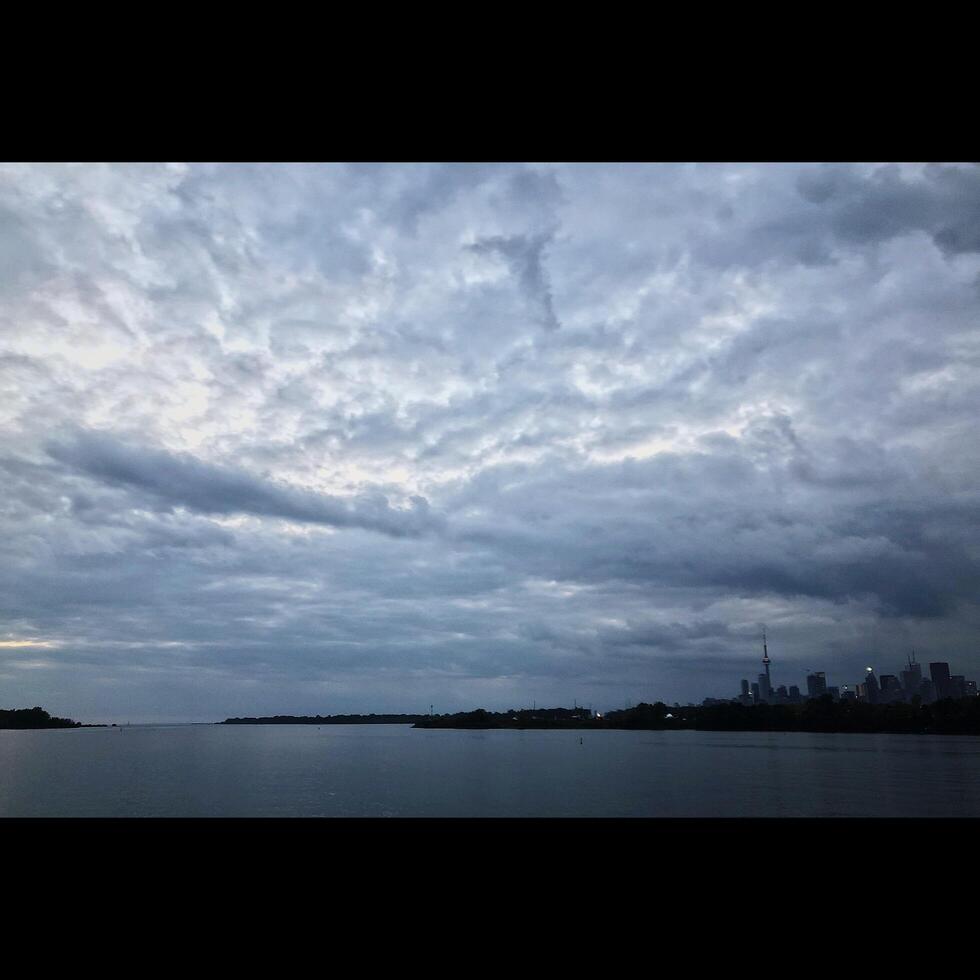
397	771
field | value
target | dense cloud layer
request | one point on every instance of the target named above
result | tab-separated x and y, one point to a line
333	438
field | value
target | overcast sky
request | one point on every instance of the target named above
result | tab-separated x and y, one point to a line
290	439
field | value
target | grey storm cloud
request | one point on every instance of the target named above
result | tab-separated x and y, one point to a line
369	437
881	204
181	480
524	255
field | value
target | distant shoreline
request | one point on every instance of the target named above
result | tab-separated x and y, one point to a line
949	717
326	720
821	715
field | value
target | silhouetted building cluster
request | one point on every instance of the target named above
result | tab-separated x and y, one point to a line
907	686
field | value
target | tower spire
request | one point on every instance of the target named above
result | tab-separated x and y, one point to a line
765	657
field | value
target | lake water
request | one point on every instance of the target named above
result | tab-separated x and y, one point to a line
397	771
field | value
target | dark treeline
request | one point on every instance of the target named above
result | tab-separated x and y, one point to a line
327	720
947	717
33	718
523	718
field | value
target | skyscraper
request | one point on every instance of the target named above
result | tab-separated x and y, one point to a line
745	698
891	689
871	692
816	684
939	672
765	691
912	678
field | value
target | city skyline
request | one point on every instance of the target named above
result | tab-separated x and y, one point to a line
350	438
906	686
